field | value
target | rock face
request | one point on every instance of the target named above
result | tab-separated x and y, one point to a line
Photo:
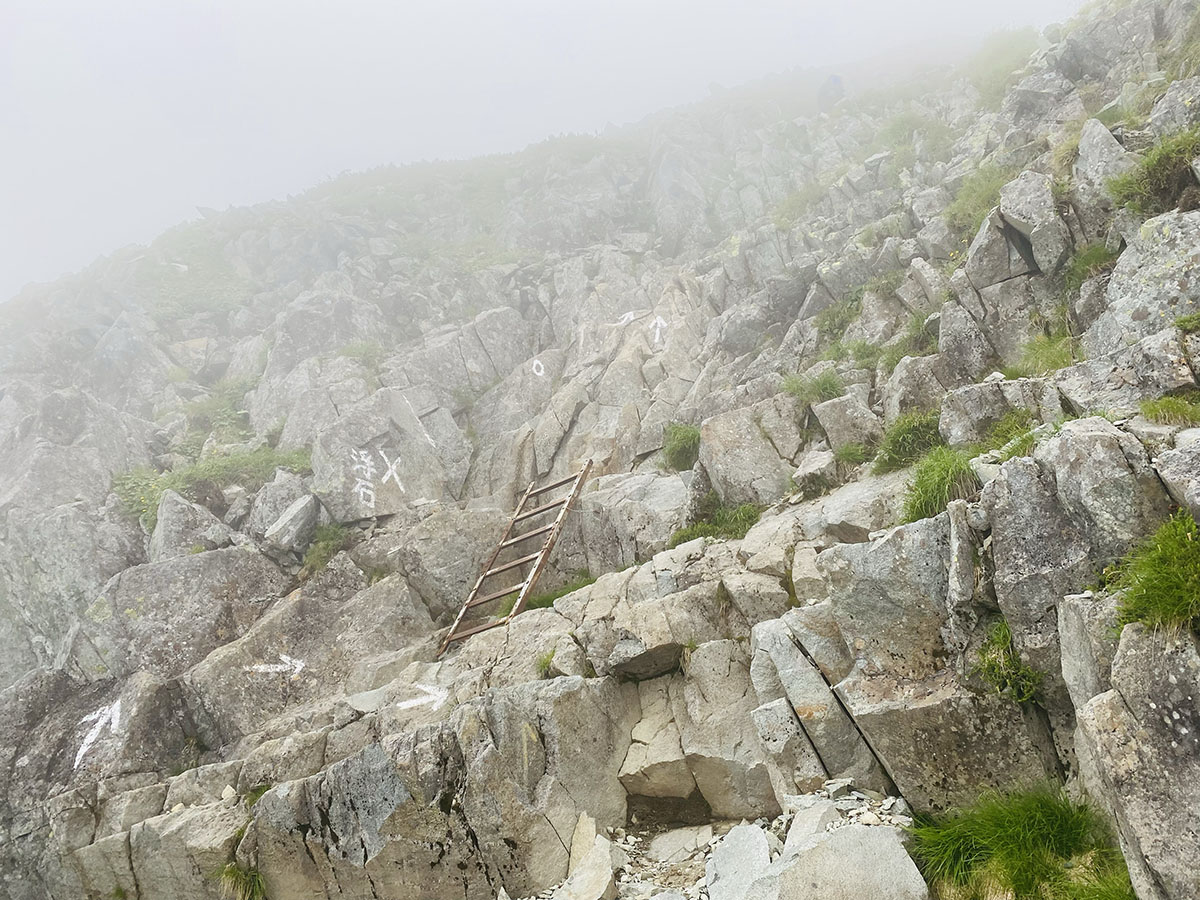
251	472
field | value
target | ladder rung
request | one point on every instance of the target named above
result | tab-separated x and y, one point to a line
520	561
467	632
524	537
550	487
540	509
496	595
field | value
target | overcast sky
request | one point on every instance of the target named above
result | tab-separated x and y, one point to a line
118	118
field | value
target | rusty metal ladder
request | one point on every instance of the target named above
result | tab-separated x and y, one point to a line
538	560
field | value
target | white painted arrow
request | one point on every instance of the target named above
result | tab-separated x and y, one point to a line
433	694
627	318
424	430
285	664
110	716
658	325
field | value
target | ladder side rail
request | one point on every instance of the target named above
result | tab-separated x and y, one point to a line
544	556
491	561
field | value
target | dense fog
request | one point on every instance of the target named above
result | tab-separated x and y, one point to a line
121	118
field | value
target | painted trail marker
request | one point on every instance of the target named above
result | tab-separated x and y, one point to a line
285	664
433	694
108	716
658	325
538	369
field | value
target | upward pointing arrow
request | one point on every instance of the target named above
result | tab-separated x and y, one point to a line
658	325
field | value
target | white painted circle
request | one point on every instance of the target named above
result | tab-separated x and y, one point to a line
538	369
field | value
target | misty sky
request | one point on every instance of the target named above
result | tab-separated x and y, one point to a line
118	118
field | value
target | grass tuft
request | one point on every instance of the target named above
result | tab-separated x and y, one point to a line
1088	262
140	489
255	794
1044	354
833	321
543	664
850	455
237	883
328	541
977	196
716	520
1176	409
815	389
941	475
906	440
1156	183
916	341
1160	579
681	445
1000	666
1028	845
1188	324
546	600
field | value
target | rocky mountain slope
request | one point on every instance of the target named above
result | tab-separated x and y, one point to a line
909	356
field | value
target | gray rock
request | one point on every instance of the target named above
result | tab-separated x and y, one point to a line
813	818
745	466
917	383
889	597
713	710
962	344
1027	204
678	844
1121	380
1156	280
1143	735
274	499
844	864
656	766
991	258
293	530
165	617
970	412
184	528
735	862
1179	470
848	420
792	763
1179	108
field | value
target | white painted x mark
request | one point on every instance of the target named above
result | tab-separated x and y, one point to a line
391	470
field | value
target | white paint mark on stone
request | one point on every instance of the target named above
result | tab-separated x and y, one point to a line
538	369
363	468
627	318
108	715
391	470
433	694
658	325
285	664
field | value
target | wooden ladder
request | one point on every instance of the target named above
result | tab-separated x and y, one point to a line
537	560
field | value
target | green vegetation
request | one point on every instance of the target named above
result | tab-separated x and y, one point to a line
815	389
1044	354
907	439
328	541
185	273
1012	435
902	133
993	68
797	203
833	321
1000	666
1177	409
241	884
221	412
141	489
850	455
1185	62
546	600
864	353
255	794
1189	324
915	341
1029	845
1154	185
716	520
941	475
681	445
976	197
1160	578
1013	424
1089	261
543	664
